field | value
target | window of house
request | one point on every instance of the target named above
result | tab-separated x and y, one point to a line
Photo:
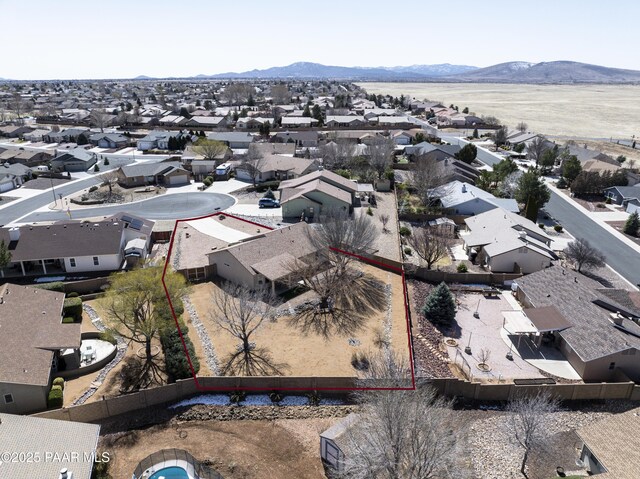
612	365
8	398
72	262
96	261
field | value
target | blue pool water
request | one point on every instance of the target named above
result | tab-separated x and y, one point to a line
172	472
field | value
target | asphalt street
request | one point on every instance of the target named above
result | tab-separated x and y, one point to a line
18	209
621	257
166	207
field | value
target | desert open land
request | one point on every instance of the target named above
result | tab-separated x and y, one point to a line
582	111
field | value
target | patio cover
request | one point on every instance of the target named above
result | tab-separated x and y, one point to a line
547	318
516	322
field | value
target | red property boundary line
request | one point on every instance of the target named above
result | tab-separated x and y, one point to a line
200	387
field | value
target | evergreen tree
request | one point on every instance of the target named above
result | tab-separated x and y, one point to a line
467	153
306	112
82	139
475	133
532	191
251	101
440	307
571	168
317	114
5	257
269	194
106	162
630	227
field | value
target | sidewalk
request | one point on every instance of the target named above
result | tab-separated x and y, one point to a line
594	217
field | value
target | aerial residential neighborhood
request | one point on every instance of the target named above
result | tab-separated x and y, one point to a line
317	271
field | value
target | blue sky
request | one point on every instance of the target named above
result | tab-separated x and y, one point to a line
118	38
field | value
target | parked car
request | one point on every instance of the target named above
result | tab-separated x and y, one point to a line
268	203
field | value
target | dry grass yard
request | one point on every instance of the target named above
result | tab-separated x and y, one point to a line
313	354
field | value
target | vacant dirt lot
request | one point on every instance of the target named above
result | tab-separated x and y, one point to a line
280	449
312	354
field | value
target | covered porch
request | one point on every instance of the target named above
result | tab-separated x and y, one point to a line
533	334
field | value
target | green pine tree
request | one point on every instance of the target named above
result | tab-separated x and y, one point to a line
5	257
632	224
440	307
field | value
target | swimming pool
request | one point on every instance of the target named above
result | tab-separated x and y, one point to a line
172	472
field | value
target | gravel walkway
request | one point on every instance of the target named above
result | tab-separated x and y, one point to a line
121	345
205	340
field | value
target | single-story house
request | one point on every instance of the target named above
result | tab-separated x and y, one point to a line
35	135
77	247
12	176
15	131
233	139
463	198
200	169
109	140
506	242
394	122
275	167
611	447
31	342
312	193
77	159
621	195
25	157
345	121
264	260
70	135
302	139
252	123
207	121
297	122
605	335
374	113
173	120
157	140
28	436
402	137
167	174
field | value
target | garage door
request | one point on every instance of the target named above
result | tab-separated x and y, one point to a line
178	180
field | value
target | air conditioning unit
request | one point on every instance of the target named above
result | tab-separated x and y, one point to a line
65	474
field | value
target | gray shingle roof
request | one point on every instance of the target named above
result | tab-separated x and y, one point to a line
23	434
593	335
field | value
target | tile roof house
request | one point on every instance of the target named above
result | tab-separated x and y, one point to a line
76	247
263	260
605	336
58	445
611	447
506	242
32	338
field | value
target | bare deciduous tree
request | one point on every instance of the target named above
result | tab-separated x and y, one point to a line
429	245
380	155
484	356
582	254
19	106
408	434
337	154
280	94
99	118
530	417
241	311
344	295
536	149
237	93
253	163
522	127
430	178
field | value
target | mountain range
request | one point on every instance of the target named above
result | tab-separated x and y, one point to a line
510	72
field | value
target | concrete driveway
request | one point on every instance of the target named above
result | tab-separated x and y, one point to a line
255	210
